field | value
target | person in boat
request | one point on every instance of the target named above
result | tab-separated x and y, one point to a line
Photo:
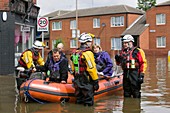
85	72
29	59
133	62
103	61
60	47
56	68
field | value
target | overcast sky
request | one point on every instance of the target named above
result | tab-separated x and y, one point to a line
48	6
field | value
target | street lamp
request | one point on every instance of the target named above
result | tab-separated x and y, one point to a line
76	24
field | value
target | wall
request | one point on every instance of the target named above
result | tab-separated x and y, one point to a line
7	45
4	5
159	30
85	24
144	39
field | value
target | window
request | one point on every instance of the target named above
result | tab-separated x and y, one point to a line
73	24
160	19
96	23
53	44
96	41
116	44
161	41
57	25
47	44
117	21
73	43
74	32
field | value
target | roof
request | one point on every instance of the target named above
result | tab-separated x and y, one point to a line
167	3
56	13
116	9
137	27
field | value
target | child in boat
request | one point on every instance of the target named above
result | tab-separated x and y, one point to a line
103	61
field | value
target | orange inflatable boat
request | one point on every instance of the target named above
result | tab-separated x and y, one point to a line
41	90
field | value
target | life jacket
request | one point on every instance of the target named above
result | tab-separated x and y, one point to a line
54	66
35	57
129	59
79	64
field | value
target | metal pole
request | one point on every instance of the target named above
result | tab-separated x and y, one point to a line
76	24
23	38
43	42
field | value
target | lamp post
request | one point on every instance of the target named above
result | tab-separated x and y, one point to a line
76	25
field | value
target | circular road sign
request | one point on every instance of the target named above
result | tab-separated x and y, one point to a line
42	22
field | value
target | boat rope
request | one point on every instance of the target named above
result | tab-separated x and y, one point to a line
27	94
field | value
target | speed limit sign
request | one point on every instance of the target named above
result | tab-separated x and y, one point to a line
42	24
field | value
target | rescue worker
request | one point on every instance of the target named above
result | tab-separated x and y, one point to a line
29	59
103	61
133	62
56	67
85	72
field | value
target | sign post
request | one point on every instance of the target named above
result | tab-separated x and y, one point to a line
42	25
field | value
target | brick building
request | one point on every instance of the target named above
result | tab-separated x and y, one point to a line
17	30
109	24
158	19
106	23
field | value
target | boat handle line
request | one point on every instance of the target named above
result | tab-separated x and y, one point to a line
27	94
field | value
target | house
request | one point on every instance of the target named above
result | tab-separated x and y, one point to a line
106	23
152	30
158	19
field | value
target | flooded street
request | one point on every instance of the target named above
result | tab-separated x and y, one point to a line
155	96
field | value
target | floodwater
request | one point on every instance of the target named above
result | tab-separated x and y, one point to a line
155	96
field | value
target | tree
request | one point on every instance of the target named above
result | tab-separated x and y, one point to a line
59	40
146	4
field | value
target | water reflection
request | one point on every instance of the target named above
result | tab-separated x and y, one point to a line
131	105
155	96
156	89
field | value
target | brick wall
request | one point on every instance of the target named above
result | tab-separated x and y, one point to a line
4	5
85	24
160	30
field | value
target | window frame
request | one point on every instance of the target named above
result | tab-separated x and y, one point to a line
97	41
119	43
162	43
54	25
120	21
96	22
71	44
73	24
162	17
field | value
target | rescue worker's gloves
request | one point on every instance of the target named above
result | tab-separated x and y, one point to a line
96	85
141	78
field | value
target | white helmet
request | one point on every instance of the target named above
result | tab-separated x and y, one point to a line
38	45
85	37
128	38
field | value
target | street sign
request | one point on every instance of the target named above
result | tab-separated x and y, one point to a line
25	28
42	24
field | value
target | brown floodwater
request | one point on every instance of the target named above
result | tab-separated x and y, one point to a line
155	96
